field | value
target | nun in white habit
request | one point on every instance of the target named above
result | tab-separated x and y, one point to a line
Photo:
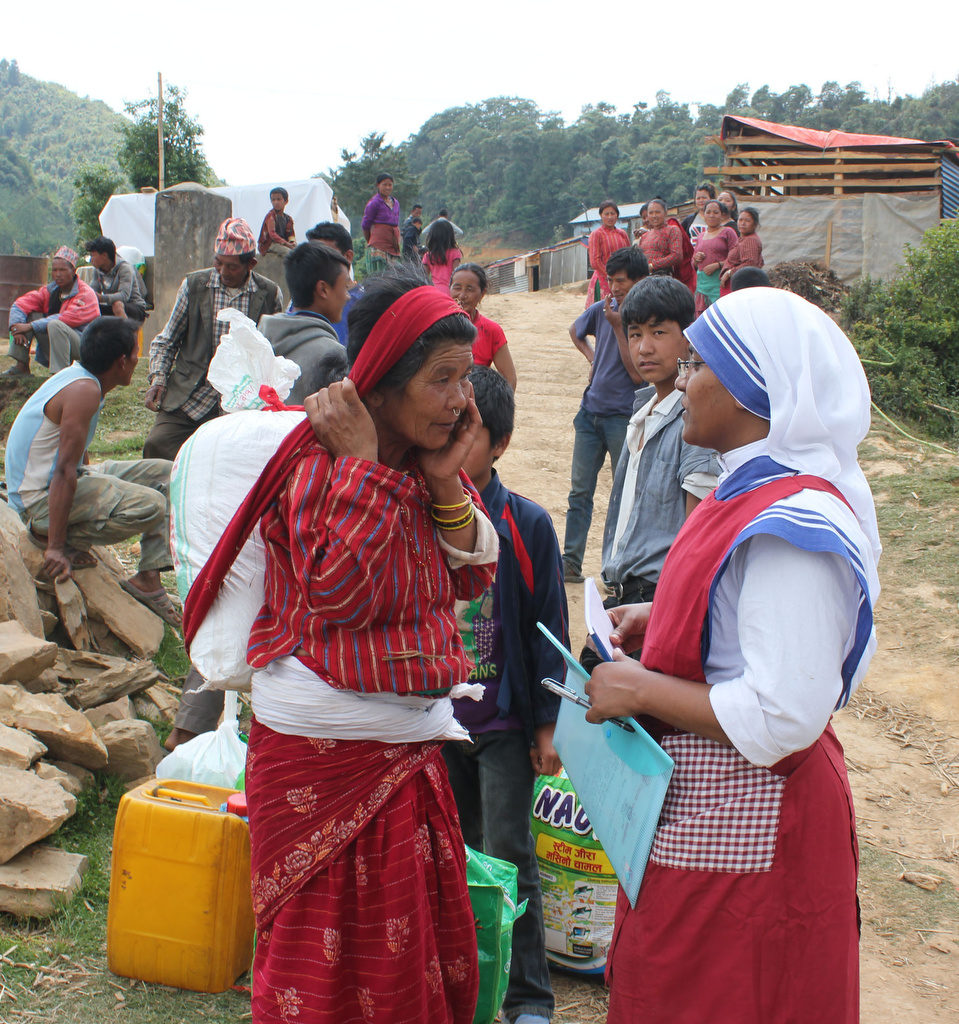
761	628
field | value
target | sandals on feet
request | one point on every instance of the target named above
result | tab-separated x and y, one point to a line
158	601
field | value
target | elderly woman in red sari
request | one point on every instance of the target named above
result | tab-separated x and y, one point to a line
603	242
359	876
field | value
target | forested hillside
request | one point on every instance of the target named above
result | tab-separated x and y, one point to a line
54	130
32	219
46	133
504	165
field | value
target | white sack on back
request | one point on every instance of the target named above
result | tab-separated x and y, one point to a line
212	474
243	361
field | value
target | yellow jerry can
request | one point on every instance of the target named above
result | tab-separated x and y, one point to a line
180	908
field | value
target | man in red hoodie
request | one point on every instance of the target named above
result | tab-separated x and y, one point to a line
54	315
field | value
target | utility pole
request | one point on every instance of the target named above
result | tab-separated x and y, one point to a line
160	126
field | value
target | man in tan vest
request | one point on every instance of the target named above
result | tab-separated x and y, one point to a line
180	354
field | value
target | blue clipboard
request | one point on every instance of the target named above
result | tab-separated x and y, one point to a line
620	777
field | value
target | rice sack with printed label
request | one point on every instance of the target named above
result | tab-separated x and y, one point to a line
578	882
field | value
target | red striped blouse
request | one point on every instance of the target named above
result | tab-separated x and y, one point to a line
356	577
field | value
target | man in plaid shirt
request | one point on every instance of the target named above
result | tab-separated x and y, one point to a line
180	354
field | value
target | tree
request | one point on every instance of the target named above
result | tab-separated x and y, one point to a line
182	152
93	184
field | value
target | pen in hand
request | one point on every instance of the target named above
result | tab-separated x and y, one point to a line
566	693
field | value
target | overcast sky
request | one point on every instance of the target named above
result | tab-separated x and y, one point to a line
281	89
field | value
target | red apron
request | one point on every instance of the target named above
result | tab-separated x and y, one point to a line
747	913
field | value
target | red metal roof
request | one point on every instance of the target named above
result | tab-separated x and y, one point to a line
821	140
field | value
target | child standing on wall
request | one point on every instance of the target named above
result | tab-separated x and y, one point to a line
511	728
277	235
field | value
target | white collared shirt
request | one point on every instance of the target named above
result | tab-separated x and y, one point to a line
644	425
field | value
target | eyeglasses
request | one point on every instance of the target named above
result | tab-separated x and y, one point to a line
683	365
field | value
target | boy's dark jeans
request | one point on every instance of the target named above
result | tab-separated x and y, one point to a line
492	780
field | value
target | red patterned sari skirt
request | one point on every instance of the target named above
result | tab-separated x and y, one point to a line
359	884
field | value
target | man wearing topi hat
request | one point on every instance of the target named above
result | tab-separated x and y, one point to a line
180	354
54	315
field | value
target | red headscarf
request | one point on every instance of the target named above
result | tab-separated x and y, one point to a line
403	322
413	313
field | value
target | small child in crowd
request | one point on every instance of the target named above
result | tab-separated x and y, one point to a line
659	478
511	728
441	256
277	235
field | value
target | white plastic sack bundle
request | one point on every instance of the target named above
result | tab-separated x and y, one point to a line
211	476
213	758
243	361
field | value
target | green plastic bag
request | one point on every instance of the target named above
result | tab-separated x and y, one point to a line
492	889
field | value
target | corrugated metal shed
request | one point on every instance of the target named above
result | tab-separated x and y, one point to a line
563	263
506	276
950	188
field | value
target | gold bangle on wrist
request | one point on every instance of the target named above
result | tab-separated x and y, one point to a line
456	524
453	508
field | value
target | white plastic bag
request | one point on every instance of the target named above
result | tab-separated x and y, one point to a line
212	474
243	361
212	758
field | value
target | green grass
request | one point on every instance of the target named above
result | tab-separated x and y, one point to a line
72	942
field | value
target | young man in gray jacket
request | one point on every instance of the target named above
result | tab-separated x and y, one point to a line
659	478
318	277
116	282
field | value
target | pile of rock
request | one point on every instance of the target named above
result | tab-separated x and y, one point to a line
75	672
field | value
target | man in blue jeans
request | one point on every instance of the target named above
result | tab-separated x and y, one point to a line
511	728
607	403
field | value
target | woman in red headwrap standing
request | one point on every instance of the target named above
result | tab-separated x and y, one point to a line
359	876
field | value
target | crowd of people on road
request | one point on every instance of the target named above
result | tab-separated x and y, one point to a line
703	250
739	564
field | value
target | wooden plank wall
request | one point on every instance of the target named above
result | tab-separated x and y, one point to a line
763	165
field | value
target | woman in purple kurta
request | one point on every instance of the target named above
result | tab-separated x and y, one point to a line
381	225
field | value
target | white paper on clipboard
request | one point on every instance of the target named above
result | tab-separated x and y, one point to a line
598	623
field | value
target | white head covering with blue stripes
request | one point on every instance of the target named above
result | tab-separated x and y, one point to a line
788	362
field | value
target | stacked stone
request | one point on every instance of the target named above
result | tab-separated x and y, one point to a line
75	671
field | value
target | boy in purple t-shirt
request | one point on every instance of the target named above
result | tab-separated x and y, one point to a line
607	404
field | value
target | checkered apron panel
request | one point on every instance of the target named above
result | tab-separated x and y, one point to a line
721	813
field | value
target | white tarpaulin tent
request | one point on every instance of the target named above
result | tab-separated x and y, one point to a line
128	219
